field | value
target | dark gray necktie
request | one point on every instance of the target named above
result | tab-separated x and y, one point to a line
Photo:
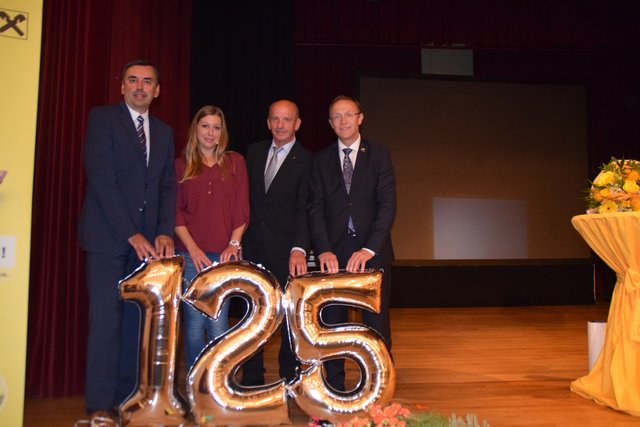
347	168
347	173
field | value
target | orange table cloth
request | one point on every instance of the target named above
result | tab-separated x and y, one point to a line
614	380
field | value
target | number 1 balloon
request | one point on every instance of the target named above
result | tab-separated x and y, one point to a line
155	287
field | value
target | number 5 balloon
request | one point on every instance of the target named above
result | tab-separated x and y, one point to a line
315	342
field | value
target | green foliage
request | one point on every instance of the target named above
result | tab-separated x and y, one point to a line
433	419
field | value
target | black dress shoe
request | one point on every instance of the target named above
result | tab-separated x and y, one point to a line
103	419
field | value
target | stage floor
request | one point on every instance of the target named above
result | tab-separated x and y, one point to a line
511	366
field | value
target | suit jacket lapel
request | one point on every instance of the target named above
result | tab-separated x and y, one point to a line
361	166
336	165
290	159
288	163
263	155
125	115
153	146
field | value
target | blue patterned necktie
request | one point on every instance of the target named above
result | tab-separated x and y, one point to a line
347	168
142	138
347	173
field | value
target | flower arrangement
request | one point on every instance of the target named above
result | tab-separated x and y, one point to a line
616	188
396	415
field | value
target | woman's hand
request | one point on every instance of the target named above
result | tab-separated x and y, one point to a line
200	259
232	252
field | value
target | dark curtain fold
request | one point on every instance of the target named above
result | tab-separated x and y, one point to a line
84	46
474	23
242	61
323	72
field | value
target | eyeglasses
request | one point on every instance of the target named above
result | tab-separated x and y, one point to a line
346	116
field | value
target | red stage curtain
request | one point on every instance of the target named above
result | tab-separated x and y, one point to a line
84	46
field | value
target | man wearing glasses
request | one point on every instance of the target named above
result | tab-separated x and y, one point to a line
351	209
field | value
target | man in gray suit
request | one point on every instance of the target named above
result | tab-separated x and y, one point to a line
278	234
129	203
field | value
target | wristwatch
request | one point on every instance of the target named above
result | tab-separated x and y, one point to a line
234	243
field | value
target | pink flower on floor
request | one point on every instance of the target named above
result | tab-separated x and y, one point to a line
315	422
395	410
356	422
394	415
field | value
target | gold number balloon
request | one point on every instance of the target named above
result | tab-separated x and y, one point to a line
155	287
215	396
314	342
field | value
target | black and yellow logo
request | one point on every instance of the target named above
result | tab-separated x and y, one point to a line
14	24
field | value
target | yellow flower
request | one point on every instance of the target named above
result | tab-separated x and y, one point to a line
633	175
616	188
630	186
595	195
608	206
604	178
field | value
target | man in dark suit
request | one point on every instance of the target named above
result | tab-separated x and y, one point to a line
278	235
351	209
129	203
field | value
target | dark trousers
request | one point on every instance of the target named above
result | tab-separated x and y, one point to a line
380	322
112	346
253	369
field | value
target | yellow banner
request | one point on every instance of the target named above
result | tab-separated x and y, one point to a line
20	35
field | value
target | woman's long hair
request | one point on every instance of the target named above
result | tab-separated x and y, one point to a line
192	155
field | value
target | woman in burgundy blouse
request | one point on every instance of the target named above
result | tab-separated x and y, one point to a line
212	213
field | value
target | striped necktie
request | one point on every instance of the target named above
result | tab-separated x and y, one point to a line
142	138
